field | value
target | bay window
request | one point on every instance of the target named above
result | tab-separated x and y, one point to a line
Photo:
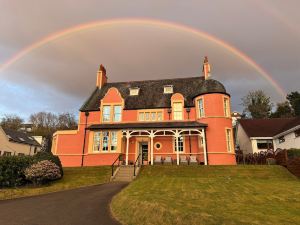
105	139
113	141
96	145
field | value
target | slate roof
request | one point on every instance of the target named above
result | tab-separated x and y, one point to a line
150	125
20	137
151	94
268	127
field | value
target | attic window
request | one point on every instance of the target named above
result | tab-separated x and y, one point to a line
168	89
134	91
21	139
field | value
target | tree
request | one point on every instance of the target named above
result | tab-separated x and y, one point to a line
66	121
44	123
283	110
11	121
257	104
294	99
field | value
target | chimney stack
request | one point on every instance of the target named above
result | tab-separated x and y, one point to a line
101	76
206	68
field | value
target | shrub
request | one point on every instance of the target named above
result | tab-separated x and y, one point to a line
40	156
42	172
293	153
12	170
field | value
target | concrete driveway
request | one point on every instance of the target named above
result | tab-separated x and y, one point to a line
83	206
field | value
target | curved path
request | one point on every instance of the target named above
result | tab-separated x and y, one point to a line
83	206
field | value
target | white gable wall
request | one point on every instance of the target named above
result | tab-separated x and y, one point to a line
291	141
243	140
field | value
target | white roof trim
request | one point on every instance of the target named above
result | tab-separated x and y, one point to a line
255	138
287	132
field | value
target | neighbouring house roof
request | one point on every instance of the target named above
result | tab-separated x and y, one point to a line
268	127
151	94
20	137
150	125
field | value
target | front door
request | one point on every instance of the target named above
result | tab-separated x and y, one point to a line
143	150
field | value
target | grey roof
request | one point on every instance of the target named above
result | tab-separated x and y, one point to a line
20	137
150	125
151	94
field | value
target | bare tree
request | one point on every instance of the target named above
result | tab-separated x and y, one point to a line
11	121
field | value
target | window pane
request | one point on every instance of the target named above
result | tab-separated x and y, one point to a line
106	113
177	111
105	141
147	116
201	109
228	138
113	141
117	113
96	146
226	107
153	116
141	116
159	116
180	144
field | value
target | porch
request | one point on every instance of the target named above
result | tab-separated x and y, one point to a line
164	142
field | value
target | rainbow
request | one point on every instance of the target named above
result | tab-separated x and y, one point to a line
141	21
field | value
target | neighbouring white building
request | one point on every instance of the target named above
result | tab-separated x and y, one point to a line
255	135
235	116
17	143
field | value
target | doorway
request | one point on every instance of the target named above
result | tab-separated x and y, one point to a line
143	150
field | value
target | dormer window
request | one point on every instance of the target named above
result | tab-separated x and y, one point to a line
134	91
168	89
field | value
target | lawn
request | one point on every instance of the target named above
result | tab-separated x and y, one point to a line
73	178
210	195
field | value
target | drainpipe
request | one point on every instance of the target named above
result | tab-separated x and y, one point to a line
169	112
83	146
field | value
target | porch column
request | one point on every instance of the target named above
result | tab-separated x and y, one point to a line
204	146
177	147
127	145
151	147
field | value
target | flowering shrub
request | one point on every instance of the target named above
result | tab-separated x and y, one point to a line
42	172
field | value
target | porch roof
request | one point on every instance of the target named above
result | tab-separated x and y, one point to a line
149	125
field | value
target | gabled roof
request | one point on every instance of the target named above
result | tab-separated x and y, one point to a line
151	94
268	127
20	137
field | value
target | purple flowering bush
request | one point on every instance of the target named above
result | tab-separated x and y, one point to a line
42	172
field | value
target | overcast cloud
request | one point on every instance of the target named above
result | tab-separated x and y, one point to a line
59	76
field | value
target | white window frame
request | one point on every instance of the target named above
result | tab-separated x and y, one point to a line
201	112
228	133
168	89
180	144
113	141
97	141
226	104
134	91
115	114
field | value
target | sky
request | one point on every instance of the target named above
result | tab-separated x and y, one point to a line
250	44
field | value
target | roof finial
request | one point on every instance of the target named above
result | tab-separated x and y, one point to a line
206	68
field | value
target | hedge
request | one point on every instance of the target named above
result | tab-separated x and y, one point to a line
12	168
293	153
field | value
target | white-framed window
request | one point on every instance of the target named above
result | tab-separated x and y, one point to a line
105	139
264	144
226	107
106	113
201	107
180	144
117	113
168	89
134	91
228	140
177	111
150	116
113	141
96	144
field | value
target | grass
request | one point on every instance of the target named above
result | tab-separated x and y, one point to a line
210	195
73	178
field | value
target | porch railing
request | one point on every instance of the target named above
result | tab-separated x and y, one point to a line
116	163
136	164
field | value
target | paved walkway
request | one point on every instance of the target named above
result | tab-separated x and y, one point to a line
83	206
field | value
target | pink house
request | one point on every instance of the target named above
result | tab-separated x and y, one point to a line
171	120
